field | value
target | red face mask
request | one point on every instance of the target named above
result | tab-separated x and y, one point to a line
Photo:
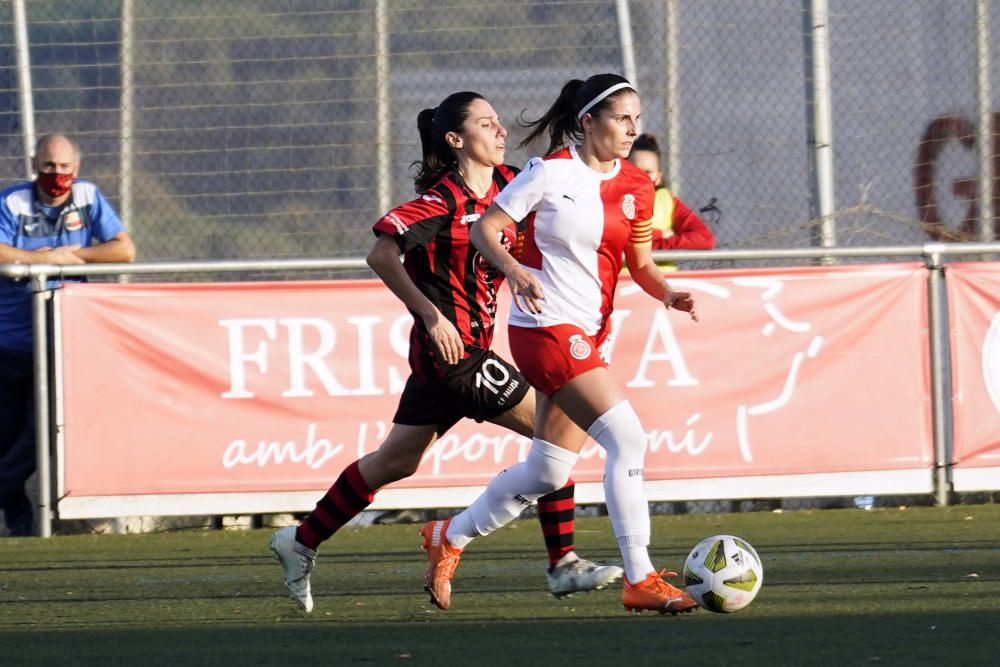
54	185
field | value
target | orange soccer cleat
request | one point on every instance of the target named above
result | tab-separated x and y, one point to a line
656	594
442	559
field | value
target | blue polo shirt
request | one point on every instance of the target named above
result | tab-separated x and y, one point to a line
28	224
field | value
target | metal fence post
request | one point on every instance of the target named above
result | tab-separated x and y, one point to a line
382	139
672	157
984	126
39	306
819	118
126	124
25	96
627	46
940	367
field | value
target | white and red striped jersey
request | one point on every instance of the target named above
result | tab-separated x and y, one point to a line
578	222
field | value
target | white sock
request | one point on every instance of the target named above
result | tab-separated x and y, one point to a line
546	469
620	433
636	561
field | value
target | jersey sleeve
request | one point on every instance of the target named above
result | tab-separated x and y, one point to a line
8	223
105	222
416	222
641	233
689	231
504	174
525	192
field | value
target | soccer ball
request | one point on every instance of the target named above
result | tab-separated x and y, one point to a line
723	573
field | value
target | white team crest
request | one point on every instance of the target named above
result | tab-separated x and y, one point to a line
628	206
578	347
73	221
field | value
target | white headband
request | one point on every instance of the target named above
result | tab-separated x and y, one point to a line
589	105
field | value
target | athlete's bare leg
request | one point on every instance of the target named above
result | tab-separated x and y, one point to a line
398	456
583	399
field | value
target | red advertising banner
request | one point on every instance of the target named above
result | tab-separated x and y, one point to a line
276	387
974	314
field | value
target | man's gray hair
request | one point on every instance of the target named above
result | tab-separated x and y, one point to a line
44	140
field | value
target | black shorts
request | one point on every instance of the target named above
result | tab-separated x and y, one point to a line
480	387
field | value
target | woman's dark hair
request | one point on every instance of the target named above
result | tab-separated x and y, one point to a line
562	122
646	142
434	124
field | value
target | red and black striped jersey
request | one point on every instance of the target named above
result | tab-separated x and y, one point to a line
432	232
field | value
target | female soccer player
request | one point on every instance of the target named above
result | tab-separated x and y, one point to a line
451	292
584	207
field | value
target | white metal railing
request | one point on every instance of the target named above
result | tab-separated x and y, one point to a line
932	254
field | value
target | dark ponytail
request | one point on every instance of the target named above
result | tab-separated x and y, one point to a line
561	120
433	125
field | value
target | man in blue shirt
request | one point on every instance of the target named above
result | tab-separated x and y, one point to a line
54	219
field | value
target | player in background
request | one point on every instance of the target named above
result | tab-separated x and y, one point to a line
674	225
451	292
584	207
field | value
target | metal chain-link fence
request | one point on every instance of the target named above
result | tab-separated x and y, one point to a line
283	128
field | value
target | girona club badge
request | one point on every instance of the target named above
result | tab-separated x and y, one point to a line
73	221
628	206
578	347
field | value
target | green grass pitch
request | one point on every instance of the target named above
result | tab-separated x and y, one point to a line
917	586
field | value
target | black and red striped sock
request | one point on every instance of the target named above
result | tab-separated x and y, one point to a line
348	496
555	512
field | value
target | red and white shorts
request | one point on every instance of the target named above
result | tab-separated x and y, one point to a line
552	356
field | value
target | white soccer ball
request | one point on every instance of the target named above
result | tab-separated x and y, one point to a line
723	573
